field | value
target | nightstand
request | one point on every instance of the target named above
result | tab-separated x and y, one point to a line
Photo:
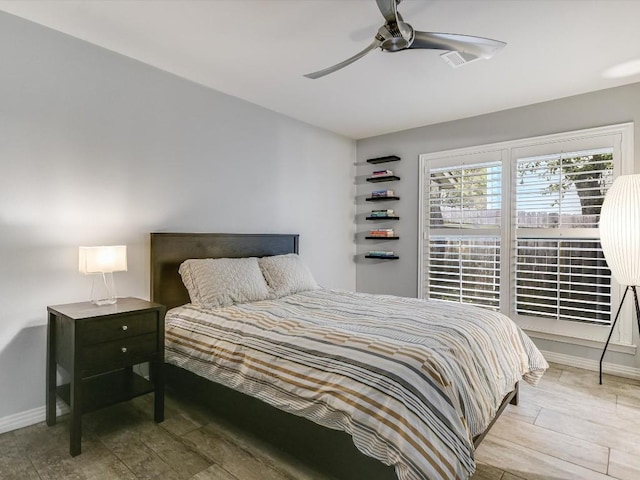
97	346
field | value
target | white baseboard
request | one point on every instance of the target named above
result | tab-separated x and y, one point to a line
38	414
29	417
593	365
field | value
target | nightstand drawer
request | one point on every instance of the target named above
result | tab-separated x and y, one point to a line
125	352
107	329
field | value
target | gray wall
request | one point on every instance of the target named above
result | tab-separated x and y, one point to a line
96	148
400	277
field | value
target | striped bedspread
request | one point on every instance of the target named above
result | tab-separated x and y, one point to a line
411	381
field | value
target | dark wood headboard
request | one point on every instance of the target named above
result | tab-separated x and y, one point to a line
169	250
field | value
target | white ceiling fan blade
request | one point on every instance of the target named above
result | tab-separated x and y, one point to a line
477	46
321	73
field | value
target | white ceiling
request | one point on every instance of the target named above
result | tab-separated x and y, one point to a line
258	50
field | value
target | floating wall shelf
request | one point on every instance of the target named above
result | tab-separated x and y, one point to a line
379	199
389	158
386	178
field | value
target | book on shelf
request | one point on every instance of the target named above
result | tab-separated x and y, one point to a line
382	173
381	253
386	211
386	232
381	213
382	193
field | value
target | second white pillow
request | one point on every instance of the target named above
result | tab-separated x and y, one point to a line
287	274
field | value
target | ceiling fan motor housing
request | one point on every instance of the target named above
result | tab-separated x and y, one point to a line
396	36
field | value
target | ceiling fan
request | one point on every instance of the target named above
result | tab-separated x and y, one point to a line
396	35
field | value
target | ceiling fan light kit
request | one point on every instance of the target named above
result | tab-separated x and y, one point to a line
396	35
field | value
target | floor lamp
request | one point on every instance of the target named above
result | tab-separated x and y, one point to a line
620	239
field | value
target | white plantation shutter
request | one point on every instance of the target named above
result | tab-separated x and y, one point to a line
552	189
560	271
562	279
463	269
466	196
464	209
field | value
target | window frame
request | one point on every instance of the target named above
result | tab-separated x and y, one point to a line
621	135
469	160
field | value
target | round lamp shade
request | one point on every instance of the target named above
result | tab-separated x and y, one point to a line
620	229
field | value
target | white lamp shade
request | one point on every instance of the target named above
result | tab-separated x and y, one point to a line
102	259
620	229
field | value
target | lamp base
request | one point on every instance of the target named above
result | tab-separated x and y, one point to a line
637	306
105	301
103	289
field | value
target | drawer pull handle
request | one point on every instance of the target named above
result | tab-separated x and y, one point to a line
125	328
124	349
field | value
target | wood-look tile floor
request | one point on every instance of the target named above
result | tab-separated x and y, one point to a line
568	427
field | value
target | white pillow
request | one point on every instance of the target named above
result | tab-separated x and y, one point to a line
220	282
287	274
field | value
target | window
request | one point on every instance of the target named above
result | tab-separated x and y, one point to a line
560	271
464	244
513	227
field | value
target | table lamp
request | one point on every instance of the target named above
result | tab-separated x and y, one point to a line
620	239
101	262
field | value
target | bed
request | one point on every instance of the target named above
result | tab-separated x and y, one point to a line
398	386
